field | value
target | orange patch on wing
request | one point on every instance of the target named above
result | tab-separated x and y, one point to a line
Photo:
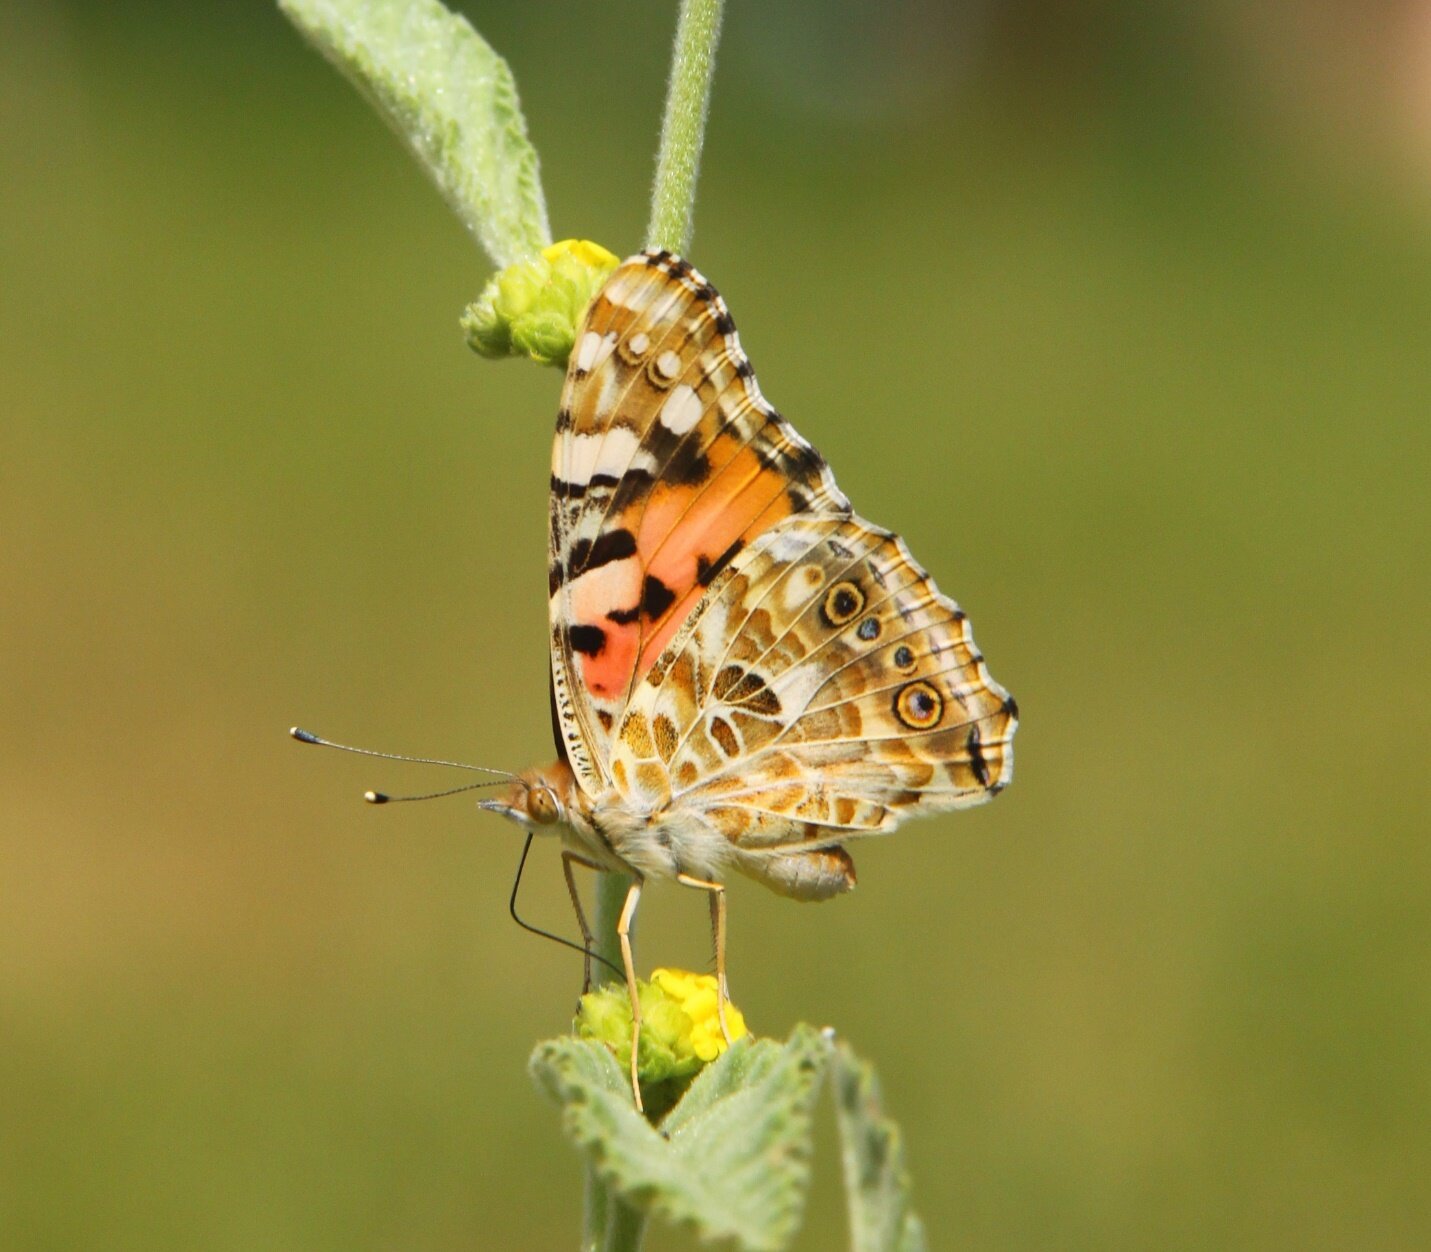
685	525
607	673
678	526
593	595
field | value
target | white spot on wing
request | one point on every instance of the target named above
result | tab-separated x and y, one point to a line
607	452
799	586
682	410
594	349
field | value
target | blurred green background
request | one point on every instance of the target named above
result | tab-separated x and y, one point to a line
1120	313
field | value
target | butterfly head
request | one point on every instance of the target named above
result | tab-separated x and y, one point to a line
538	798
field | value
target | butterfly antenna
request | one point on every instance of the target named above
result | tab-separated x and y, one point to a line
546	934
382	797
307	736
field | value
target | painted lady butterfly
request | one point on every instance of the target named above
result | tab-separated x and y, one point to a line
745	675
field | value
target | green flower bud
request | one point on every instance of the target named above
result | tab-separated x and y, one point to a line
532	308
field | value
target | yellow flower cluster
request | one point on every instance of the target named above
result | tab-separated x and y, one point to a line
680	1030
697	995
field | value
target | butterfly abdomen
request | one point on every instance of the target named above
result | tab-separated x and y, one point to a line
809	876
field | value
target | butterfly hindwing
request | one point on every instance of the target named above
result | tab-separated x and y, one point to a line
823	689
667	463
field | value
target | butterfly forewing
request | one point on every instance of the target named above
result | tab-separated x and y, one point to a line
667	463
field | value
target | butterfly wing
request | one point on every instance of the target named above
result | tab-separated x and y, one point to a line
667	464
823	689
731	648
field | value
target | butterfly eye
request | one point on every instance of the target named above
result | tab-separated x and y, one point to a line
868	629
918	705
542	806
843	602
903	657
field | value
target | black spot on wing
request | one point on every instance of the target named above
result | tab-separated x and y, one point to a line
976	756
656	597
575	491
688	466
706	571
783	450
613	545
803	462
588	640
842	603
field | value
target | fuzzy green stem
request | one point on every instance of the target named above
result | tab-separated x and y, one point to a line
611	892
596	1201
673	198
625	1227
609	1224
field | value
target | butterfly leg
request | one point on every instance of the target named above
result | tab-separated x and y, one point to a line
568	859
716	892
623	932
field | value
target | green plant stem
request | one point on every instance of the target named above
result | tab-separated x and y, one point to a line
611	892
625	1227
688	95
596	1202
609	1225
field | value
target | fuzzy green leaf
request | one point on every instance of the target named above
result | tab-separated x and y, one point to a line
731	1160
876	1181
454	102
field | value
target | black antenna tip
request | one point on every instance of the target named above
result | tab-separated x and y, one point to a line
303	736
376	797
